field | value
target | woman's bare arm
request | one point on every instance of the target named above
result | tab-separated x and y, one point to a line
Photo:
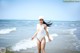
47	32
34	35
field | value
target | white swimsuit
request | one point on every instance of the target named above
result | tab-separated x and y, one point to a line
41	33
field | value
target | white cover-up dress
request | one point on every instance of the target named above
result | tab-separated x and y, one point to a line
41	31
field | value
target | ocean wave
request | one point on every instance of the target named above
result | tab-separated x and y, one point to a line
7	31
65	31
28	43
69	31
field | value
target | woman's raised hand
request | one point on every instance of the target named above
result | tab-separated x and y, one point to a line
32	38
49	39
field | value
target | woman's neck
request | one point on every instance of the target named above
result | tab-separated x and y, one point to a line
41	24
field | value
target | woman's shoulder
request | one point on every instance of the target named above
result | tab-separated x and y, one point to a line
45	25
37	24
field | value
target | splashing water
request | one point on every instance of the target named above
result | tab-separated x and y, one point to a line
28	43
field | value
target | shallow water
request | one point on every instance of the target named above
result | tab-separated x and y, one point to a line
14	31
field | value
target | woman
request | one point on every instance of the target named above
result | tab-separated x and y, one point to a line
40	34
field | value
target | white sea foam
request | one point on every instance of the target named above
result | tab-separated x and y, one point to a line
65	31
69	31
28	43
7	31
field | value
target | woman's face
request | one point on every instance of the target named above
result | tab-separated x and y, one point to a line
41	21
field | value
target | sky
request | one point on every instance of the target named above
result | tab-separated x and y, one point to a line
32	9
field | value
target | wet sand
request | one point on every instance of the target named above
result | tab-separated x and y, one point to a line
51	51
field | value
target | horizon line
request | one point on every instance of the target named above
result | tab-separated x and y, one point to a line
37	19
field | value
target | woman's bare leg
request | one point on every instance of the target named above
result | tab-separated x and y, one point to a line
39	46
43	43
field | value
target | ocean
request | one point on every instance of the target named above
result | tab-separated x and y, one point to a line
13	32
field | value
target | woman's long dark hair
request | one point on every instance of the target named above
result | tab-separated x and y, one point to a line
47	23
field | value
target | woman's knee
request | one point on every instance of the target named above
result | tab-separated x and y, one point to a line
42	48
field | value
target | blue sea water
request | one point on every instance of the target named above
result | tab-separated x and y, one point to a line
13	31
